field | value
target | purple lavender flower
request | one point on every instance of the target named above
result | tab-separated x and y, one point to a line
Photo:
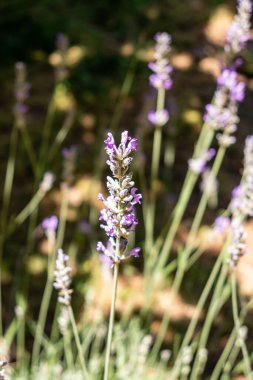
197	165
242	196
85	227
238	33
161	67
221	223
50	224
160	79
62	278
118	216
21	94
237	247
158	118
222	113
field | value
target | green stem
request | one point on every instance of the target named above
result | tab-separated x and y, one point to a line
44	305
203	204
237	323
216	303
205	138
111	321
154	174
68	350
200	305
222	359
29	148
7	191
78	344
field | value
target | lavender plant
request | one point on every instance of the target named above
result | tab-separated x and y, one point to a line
118	215
134	353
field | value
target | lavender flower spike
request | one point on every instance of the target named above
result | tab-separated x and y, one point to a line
118	216
161	67
62	278
238	33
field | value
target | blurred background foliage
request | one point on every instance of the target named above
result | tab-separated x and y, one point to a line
111	43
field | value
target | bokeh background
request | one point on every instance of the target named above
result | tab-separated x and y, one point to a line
110	45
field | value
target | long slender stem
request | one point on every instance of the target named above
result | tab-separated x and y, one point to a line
216	303
248	371
78	344
8	183
154	174
29	148
48	288
183	200
111	321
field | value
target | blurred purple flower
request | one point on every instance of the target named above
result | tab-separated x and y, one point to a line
197	165
238	33
158	118
161	67
50	223
85	227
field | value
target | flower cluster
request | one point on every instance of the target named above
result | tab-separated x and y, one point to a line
242	196
69	163
222	113
62	278
21	94
241	206
50	226
197	165
237	247
238	33
160	79
119	214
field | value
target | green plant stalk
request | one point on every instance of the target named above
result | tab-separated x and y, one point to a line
222	360
200	305
231	350
29	148
198	216
124	92
215	305
166	318
203	204
68	350
78	344
112	315
184	197
20	341
231	360
49	284
7	191
62	134
44	305
248	371
154	174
